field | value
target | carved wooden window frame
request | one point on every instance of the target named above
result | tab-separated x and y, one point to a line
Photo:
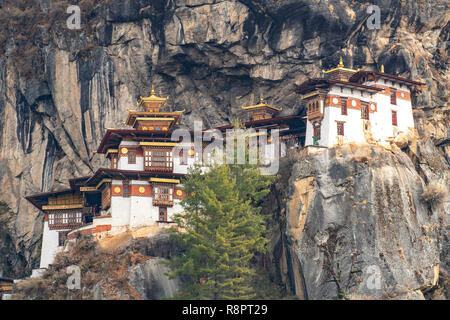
126	188
162	215
132	157
394	118
163	194
393	96
158	159
340	128
114	161
344	109
365	111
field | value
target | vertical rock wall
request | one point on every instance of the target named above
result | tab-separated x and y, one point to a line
59	88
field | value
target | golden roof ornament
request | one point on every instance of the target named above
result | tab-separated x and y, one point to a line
152	101
262	104
340	67
382	68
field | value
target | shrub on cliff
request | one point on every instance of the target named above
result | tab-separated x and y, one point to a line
434	193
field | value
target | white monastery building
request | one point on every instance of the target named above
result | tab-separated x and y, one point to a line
349	105
143	184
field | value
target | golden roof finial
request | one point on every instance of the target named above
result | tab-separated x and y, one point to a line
153	91
341	63
382	68
261	100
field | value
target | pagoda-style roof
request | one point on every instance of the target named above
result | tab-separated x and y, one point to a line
40	199
294	122
107	173
340	67
134	116
152	116
152	101
381	75
318	83
262	105
113	137
76	183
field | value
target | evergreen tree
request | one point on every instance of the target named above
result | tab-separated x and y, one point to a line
221	230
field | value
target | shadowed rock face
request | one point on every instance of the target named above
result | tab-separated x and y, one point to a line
210	56
150	280
355	224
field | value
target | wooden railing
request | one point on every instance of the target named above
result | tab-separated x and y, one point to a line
162	202
158	169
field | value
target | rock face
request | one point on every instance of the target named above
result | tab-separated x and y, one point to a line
59	88
355	224
150	281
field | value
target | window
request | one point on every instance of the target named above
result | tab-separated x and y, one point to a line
132	157
364	111
126	188
183	157
162	213
393	96
158	159
106	196
64	220
317	130
113	162
163	195
344	107
394	118
340	128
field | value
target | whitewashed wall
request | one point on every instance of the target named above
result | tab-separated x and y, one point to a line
380	122
50	248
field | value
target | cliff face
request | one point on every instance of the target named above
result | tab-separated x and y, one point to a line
115	268
59	88
355	223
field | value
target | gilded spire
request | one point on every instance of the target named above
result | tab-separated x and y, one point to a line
340	67
262	104
382	68
152	102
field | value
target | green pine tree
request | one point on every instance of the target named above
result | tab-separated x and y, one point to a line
221	231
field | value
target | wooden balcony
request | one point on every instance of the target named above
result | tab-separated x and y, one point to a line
162	202
65	220
71	220
158	169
